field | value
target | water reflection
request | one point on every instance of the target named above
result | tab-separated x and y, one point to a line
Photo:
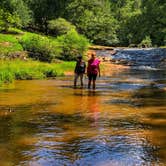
122	122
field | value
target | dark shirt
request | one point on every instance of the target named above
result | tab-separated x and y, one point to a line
80	67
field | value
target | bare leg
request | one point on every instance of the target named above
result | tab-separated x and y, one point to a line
94	84
89	84
75	80
81	79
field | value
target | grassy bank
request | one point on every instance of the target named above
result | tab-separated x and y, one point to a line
15	43
24	70
9	43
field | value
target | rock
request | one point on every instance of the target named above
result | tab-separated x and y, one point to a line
18	55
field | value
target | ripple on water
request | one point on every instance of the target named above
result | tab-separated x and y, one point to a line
122	122
118	150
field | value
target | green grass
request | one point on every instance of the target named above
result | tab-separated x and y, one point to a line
162	46
25	70
9	43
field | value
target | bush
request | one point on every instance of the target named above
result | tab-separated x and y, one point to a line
146	42
59	26
41	48
73	45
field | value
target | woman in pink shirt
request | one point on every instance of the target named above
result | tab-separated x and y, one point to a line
93	70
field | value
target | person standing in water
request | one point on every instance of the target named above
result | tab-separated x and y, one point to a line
79	71
93	70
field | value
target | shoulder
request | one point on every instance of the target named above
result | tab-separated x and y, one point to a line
97	60
90	60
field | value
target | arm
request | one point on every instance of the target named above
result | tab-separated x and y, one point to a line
88	68
99	70
85	67
75	70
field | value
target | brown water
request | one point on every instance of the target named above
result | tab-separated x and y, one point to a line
121	123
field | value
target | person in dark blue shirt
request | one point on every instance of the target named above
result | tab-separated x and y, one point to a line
79	71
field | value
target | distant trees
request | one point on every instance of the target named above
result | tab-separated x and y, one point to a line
140	18
154	20
93	19
44	11
105	22
14	13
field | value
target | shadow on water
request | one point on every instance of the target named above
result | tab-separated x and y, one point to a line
121	123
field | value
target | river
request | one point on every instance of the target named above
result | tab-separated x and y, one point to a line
121	123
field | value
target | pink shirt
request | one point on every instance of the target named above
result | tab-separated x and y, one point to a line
93	66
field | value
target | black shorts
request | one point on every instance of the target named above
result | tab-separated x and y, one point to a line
92	76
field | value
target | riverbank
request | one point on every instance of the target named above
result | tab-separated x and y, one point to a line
28	70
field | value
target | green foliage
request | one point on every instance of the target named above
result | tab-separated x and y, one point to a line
22	11
59	26
45	10
146	42
94	20
8	20
11	70
14	13
154	20
138	19
104	22
9	44
127	14
73	45
43	48
40	47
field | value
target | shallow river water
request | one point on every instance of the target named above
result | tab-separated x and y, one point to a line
121	123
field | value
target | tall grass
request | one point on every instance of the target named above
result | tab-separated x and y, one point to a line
25	70
9	43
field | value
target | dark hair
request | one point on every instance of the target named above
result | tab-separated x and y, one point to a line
93	53
79	57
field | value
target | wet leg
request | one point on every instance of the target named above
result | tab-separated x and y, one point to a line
81	80
75	80
89	84
94	84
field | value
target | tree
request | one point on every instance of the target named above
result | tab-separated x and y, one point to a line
45	10
94	20
8	20
140	18
127	12
73	44
59	26
23	12
154	19
14	13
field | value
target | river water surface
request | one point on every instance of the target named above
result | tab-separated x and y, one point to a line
121	123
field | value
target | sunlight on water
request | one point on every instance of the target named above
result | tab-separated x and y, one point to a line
121	123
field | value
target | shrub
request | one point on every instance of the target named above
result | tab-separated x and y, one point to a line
59	26
72	44
146	42
41	48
